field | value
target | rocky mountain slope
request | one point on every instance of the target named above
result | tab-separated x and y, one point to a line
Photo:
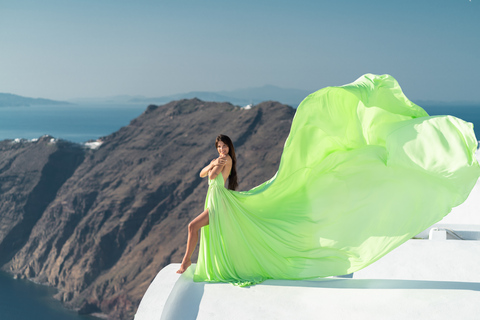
99	224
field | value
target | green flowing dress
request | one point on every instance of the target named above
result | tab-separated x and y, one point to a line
362	171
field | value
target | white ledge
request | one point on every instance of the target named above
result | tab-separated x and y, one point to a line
421	279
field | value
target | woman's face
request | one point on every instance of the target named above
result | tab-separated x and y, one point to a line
222	148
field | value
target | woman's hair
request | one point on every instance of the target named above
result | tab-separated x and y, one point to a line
232	178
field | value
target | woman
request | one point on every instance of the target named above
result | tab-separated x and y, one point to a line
224	165
362	171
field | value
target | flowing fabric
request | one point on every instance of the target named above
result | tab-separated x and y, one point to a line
363	170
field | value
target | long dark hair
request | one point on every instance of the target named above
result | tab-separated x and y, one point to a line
232	178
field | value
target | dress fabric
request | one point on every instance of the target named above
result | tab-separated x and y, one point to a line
362	171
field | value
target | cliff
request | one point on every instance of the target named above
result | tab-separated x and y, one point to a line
30	175
99	224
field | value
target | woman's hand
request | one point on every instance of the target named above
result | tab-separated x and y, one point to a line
220	161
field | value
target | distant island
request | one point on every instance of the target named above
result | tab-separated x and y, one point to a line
13	100
239	97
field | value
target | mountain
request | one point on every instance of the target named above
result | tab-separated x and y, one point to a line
201	95
240	97
99	224
12	100
112	100
292	97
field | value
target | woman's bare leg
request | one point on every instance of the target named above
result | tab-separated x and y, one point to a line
193	227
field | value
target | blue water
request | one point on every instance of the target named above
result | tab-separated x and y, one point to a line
24	300
78	123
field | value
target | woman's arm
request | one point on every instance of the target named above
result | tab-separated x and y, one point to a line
212	174
223	161
205	170
214	164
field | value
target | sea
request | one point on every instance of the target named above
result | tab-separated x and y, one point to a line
25	300
22	299
76	123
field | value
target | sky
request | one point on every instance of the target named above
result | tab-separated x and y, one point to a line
69	49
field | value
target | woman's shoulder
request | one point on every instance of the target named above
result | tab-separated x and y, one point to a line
228	158
229	163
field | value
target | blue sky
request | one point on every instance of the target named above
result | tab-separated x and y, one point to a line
65	49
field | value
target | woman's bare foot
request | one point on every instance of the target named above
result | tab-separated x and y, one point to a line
185	264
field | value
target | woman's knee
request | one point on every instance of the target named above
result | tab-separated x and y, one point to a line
193	226
198	222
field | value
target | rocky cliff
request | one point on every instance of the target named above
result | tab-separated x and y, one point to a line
99	224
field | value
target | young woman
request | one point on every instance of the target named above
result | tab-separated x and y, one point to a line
224	165
362	171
